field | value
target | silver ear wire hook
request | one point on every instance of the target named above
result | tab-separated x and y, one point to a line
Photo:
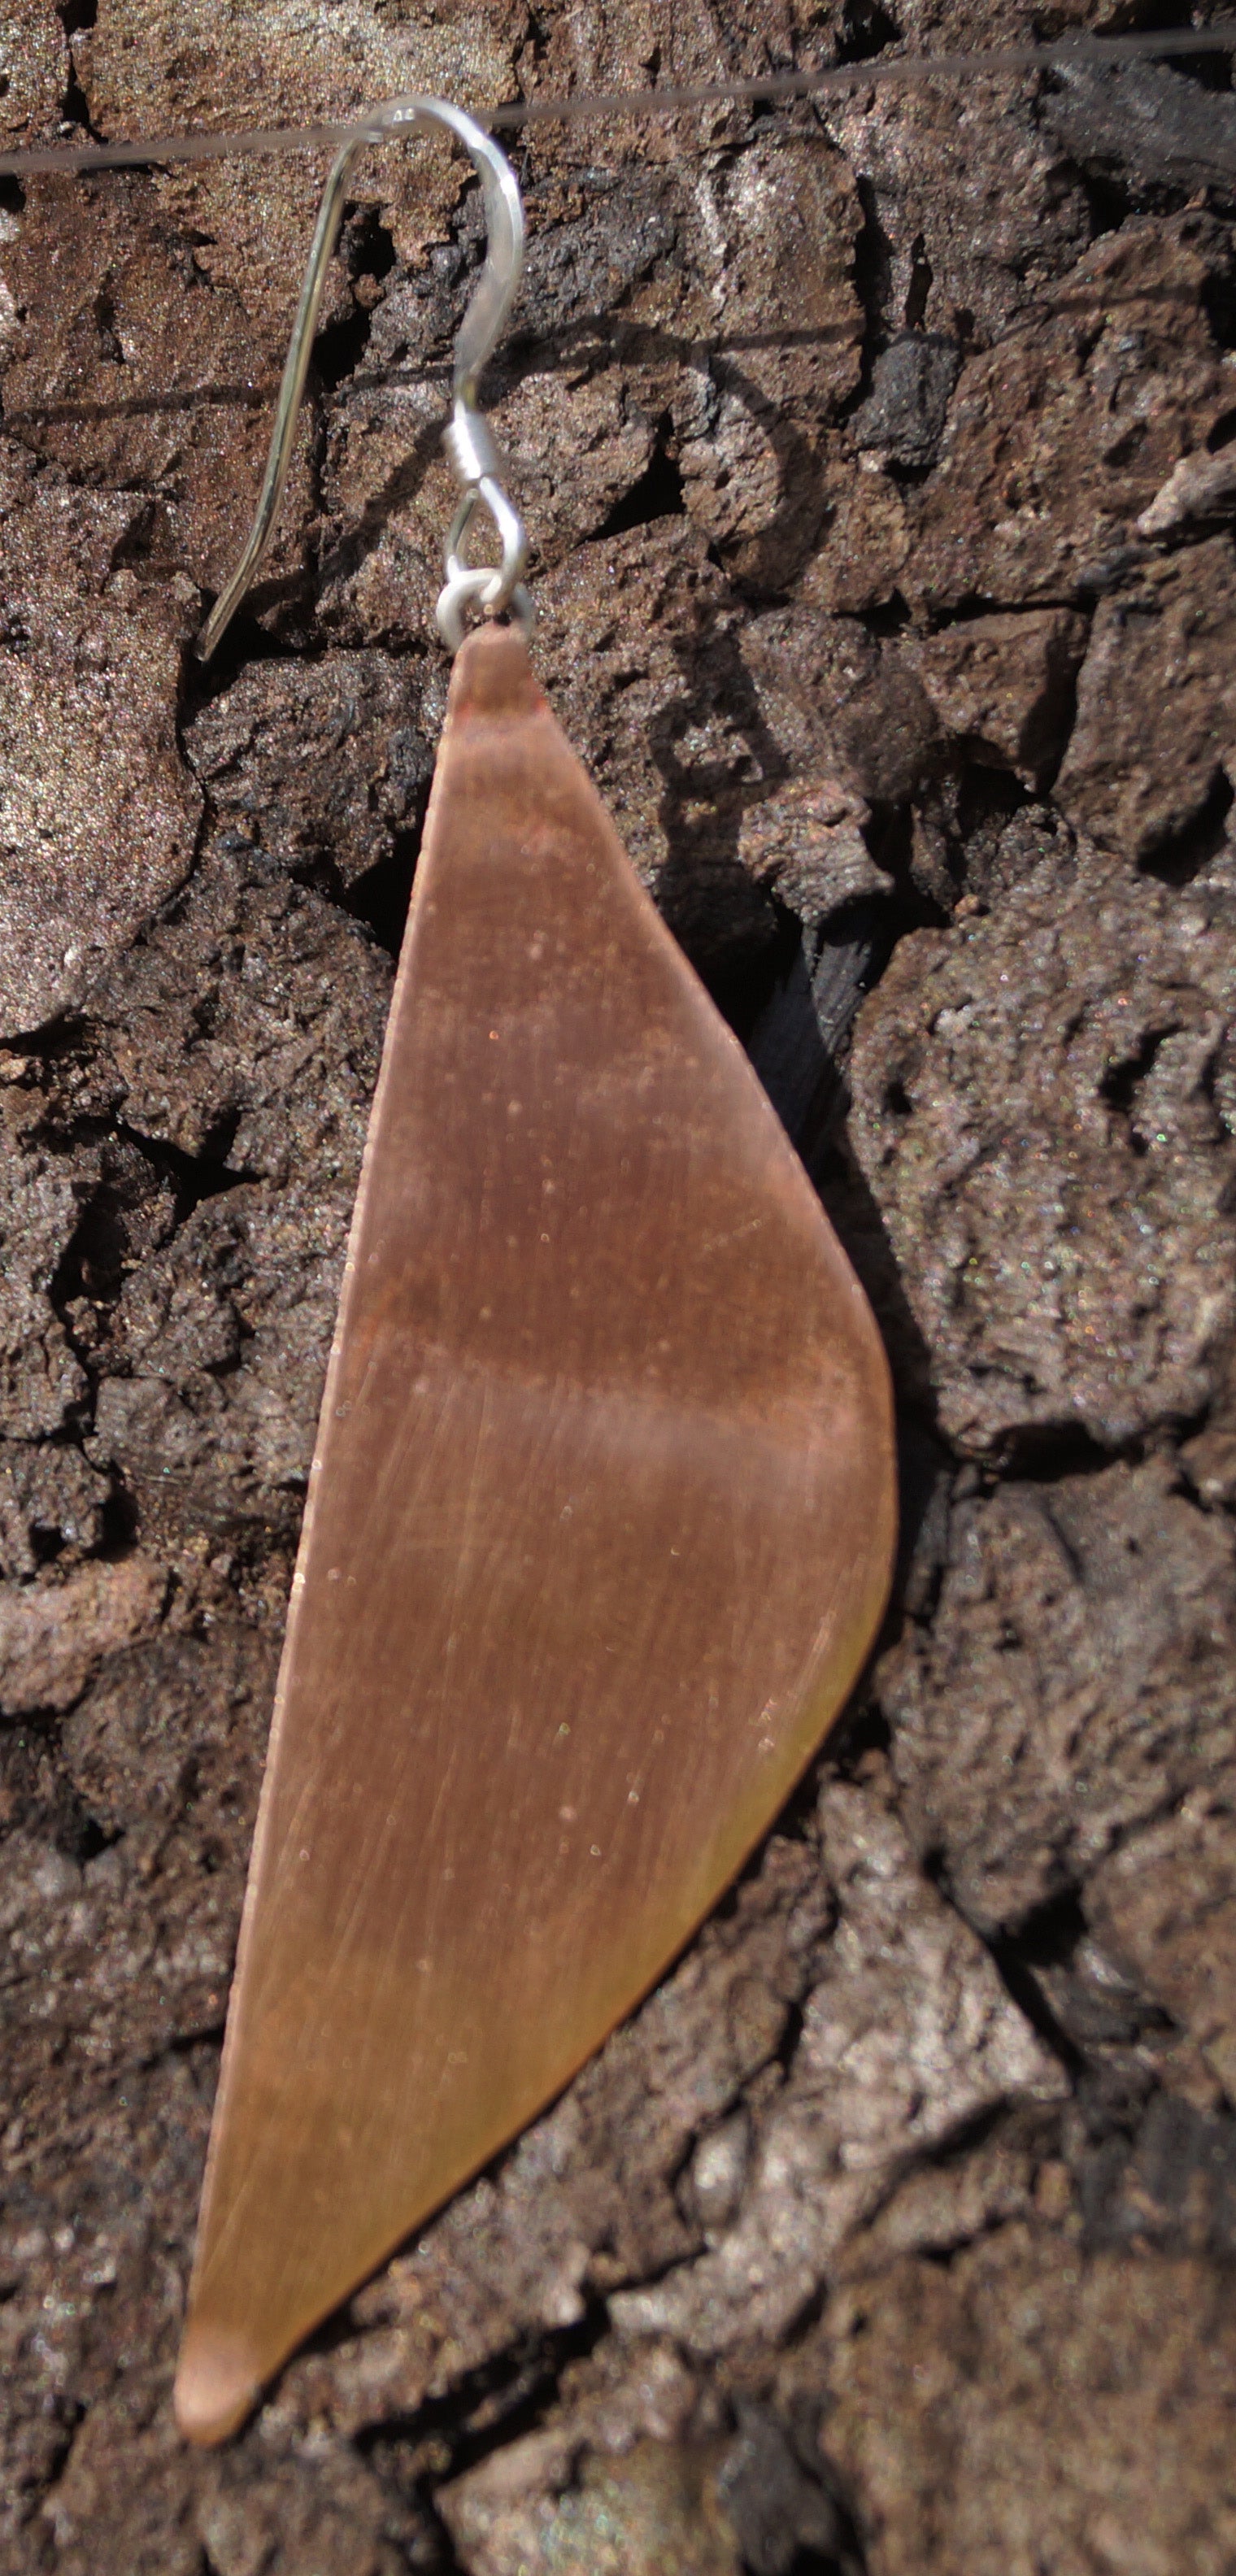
467	438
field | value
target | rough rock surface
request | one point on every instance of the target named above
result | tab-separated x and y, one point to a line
1040	1119
877	460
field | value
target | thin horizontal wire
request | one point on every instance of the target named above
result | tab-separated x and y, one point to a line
839	79
994	63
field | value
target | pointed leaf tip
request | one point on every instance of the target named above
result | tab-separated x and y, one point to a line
217	2384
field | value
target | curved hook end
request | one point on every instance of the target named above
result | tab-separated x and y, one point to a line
473	455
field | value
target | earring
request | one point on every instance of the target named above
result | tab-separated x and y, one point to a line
602	1509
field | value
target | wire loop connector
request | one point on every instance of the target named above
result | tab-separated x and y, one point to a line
473	453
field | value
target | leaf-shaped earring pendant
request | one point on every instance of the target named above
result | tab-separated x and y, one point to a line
598	1537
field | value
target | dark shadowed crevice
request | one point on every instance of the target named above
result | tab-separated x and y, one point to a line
1048	1453
782	2503
493	2404
195	1177
75	17
381	896
919	287
1109	201
890	618
873	285
1207	71
76	106
656	495
1025	1991
863	1729
38	1796
1167	2180
92	1263
94	1838
1123	1080
1179	859
1217	297
866	30
368	252
246	640
1221	433
1047	1939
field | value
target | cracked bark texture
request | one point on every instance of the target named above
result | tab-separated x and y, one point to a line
878	465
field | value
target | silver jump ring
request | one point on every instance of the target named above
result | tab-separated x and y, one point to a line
504	577
473	587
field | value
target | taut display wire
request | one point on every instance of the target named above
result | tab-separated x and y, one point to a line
998	62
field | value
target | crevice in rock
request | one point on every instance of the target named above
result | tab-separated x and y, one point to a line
95	1838
1218	302
1179	859
195	1177
1109	201
867	29
1122	1081
787	2046
1047	1453
75	108
120	1520
1167	2180
862	1730
781	2498
919	287
367	251
92	1263
380	898
974	606
498	2403
246	640
183	2043
873	285
1221	433
889	619
1046	1938
38	1797
656	495
74	16
1208	71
